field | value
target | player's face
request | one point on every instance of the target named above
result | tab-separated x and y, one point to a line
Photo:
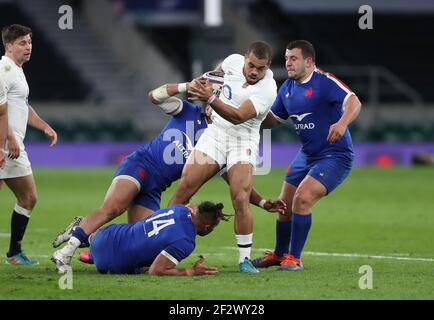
206	229
254	68
21	49
295	64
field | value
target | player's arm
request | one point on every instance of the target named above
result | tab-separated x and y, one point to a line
36	122
13	146
3	121
164	92
239	115
163	266
257	200
3	132
352	109
270	121
277	113
163	97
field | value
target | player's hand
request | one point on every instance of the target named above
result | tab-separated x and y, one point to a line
14	148
2	159
200	90
201	270
275	206
51	134
336	132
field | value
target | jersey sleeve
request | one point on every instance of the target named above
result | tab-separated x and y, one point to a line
338	92
179	250
187	108
263	100
278	108
3	92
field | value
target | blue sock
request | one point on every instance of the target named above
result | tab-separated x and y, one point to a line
81	235
300	228
283	237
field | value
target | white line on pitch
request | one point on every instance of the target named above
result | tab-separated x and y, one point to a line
358	255
348	255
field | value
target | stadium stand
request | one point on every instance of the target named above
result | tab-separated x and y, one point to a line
368	47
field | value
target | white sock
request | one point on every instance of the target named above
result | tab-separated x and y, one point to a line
70	248
244	243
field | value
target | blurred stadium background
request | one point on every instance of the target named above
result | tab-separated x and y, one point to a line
91	82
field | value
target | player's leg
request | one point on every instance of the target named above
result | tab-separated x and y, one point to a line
240	177
199	168
118	198
323	177
295	173
145	204
130	178
307	194
138	212
283	231
24	189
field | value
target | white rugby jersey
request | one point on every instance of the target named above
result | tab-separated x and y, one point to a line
17	91
235	92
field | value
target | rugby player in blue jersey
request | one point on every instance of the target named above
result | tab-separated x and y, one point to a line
144	174
321	107
156	244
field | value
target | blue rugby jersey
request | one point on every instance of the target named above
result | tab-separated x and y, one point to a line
167	153
313	107
122	248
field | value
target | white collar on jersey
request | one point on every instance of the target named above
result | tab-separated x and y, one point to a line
310	76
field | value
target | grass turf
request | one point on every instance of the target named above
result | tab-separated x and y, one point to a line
375	212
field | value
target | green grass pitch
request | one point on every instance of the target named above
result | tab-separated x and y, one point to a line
384	213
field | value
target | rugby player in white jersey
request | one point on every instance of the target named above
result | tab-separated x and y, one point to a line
3	122
232	140
17	173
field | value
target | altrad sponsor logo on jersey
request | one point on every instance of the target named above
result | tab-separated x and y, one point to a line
302	126
181	144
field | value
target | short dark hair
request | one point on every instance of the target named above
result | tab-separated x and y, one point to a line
212	213
261	50
307	49
13	32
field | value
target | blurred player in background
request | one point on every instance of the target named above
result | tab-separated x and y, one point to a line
17	173
157	243
321	107
143	175
3	122
232	140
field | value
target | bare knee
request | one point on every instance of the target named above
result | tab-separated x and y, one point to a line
240	201
28	201
302	202
112	211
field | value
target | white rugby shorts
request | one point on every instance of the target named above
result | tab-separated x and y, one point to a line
227	149
17	167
